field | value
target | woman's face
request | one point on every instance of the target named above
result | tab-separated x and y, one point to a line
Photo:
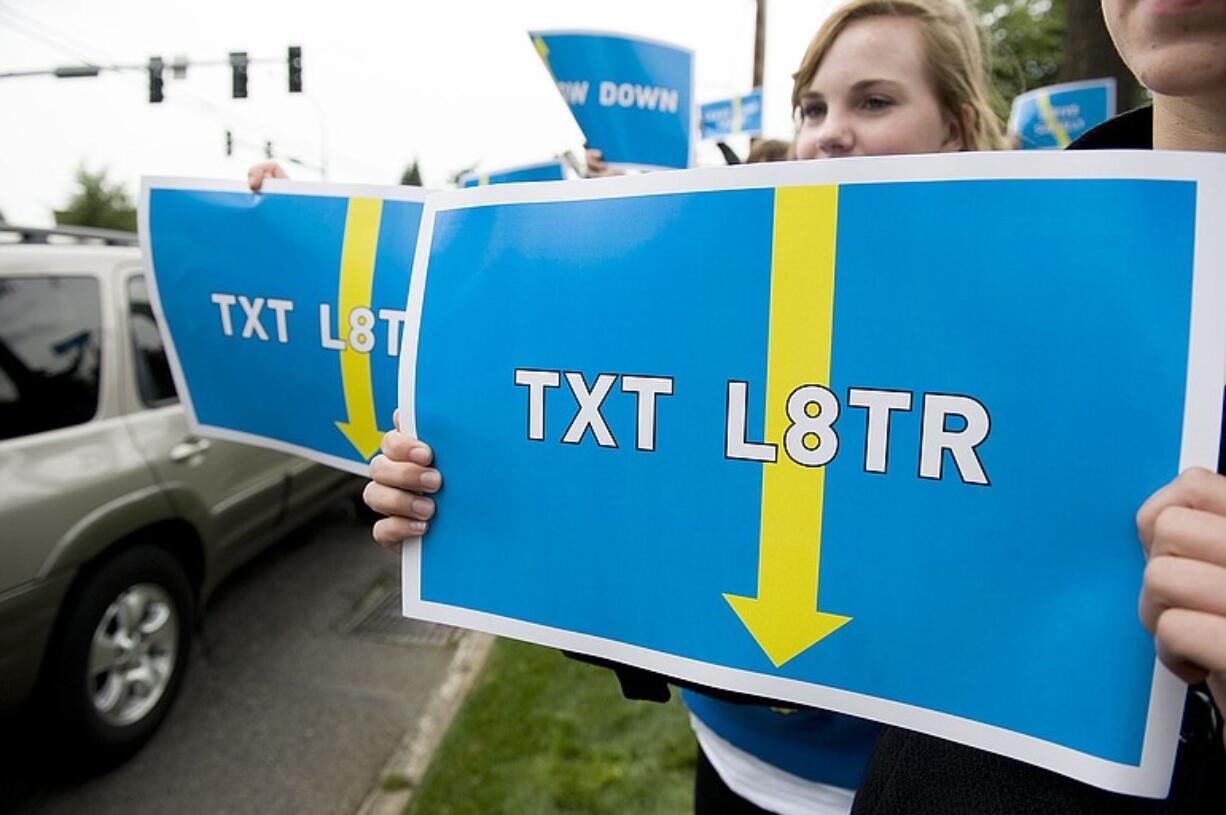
1175	47
873	95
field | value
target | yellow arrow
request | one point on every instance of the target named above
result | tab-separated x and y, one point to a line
542	50
783	618
1048	114
357	280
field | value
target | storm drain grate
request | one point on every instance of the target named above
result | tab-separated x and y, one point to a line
383	622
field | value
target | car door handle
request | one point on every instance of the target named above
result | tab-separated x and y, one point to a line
189	450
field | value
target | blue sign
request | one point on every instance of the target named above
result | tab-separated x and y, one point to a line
284	311
740	114
630	96
1052	117
546	171
895	478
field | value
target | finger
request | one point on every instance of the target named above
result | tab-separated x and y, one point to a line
404	475
391	532
396	418
1196	488
1191	643
265	169
1180	583
1179	531
399	447
595	164
398	503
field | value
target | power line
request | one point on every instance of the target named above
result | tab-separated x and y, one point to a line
21	28
30	20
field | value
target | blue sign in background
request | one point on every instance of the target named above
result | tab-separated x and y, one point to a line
726	117
549	171
1050	118
630	97
1012	604
273	246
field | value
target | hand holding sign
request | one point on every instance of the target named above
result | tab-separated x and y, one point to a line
708	423
399	477
263	170
734	535
1183	597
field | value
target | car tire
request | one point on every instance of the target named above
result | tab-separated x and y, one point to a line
121	652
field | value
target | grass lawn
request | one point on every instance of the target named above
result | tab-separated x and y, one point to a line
542	734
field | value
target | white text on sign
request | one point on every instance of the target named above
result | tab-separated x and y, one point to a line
810	440
361	330
622	95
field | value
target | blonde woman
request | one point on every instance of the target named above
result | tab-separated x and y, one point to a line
880	77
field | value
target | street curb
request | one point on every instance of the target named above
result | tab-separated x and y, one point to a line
412	757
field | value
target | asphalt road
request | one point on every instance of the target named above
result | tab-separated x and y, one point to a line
284	709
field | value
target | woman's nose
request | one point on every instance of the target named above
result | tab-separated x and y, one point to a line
835	137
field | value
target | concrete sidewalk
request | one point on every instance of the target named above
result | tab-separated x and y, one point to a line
303	689
410	762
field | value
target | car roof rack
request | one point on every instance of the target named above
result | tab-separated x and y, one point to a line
87	235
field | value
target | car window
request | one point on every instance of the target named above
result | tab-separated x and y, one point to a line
153	378
50	353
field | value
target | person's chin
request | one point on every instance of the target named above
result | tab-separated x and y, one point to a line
1185	70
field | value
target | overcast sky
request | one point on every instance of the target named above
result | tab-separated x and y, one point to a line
451	83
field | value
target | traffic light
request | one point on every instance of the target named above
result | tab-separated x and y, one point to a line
155	79
238	66
229	143
295	69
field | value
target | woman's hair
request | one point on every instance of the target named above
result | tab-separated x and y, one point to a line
768	150
955	57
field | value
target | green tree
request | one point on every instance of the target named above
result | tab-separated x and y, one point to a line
98	202
1090	54
1026	41
411	177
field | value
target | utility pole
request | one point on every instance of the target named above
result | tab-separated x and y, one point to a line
759	52
1089	54
759	44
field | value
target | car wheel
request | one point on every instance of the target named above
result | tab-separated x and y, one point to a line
122	651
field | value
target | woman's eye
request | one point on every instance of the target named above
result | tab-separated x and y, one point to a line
877	103
813	111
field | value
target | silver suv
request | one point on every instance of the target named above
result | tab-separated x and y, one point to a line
115	521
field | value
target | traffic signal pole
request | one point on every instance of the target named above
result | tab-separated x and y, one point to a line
238	62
